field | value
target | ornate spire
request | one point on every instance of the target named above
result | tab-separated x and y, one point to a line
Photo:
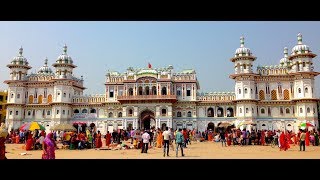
46	61
20	51
65	49
285	52
241	41
299	38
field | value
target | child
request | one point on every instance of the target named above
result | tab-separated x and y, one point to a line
135	143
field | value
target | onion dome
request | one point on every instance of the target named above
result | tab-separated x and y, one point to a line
64	57
45	69
300	48
285	60
242	51
20	60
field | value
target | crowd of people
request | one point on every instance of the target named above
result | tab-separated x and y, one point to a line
167	139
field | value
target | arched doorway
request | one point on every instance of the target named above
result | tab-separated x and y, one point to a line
210	126
146	120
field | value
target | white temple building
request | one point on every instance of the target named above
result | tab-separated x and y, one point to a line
274	97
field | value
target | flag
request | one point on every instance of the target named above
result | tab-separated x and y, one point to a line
149	65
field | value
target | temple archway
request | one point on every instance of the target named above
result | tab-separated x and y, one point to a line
147	120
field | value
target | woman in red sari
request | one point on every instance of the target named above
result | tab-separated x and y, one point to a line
29	142
98	140
108	139
229	137
307	138
210	136
263	138
49	146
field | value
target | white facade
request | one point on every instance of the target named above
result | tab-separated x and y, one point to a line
274	97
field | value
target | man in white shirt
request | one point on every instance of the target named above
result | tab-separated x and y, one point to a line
166	139
145	139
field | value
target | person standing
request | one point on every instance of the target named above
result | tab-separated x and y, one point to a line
108	139
98	141
223	138
49	146
302	140
145	139
166	141
179	142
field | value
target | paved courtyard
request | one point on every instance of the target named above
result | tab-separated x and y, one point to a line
197	150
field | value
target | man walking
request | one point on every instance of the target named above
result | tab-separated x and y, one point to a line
166	139
145	139
302	140
179	142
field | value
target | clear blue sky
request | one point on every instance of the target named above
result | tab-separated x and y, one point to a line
204	46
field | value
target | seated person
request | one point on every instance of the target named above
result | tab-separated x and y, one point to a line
38	143
135	143
216	138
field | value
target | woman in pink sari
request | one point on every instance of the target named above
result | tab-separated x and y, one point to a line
49	146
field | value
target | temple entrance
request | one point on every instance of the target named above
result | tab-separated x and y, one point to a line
147	120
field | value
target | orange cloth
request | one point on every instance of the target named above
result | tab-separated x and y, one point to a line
159	140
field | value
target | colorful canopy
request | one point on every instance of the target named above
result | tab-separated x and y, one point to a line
32	126
306	124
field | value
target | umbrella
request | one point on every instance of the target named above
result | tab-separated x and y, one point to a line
224	124
64	127
32	126
306	124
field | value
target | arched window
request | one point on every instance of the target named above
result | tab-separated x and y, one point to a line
110	115
120	114
189	114
140	90
18	96
30	99
93	111
164	91
306	90
130	112
308	110
240	110
262	111
287	111
230	112
299	90
130	92
220	112
245	90
210	112
301	111
239	91
76	111
84	111
273	95
147	90
247	110
163	112
154	90
286	95
178	114
261	95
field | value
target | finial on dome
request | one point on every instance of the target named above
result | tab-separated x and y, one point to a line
46	61
285	51
241	41
21	50
65	48
299	38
